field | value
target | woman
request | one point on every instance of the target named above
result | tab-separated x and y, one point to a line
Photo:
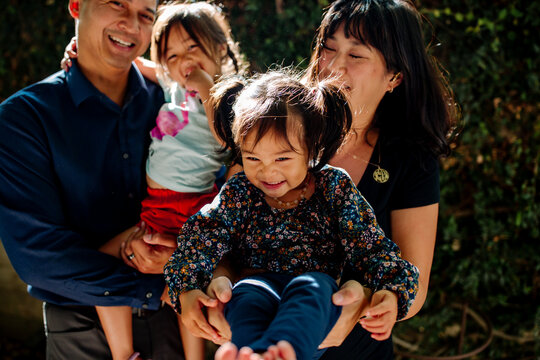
403	115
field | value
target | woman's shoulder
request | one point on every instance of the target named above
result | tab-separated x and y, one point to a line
408	154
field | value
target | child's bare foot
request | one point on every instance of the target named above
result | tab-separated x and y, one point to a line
247	353
286	351
227	351
283	350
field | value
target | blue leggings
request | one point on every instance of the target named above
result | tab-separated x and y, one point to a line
270	307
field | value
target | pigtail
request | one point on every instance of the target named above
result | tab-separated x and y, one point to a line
336	120
232	56
222	97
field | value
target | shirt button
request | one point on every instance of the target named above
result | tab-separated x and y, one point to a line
125	156
107	293
148	295
130	196
145	306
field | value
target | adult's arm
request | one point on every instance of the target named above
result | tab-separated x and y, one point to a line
46	249
414	231
147	68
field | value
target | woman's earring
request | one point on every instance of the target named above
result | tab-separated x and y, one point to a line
393	79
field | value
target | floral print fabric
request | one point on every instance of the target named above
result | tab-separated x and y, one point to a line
334	229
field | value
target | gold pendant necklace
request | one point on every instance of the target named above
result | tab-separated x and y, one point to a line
380	175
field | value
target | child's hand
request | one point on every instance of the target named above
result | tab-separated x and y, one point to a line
220	288
69	53
381	315
200	81
192	316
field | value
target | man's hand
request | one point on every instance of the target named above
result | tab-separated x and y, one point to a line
354	298
148	253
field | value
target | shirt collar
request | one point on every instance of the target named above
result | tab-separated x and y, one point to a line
81	88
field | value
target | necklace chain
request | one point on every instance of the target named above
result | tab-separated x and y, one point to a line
293	203
380	175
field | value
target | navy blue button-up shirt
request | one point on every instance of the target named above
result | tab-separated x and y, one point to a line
71	178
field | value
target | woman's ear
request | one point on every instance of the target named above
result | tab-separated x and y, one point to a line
395	81
74	8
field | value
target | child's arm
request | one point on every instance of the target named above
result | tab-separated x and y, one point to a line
381	315
201	82
113	246
116	323
374	259
147	68
116	320
193	345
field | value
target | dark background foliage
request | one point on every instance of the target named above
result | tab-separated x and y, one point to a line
487	254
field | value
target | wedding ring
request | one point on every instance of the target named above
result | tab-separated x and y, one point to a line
131	256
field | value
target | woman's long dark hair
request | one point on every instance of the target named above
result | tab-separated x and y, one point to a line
421	110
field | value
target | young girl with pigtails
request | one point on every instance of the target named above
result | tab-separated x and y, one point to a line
292	219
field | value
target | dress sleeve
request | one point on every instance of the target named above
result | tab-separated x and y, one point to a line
374	259
203	241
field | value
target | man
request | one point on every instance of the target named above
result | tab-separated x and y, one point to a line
73	150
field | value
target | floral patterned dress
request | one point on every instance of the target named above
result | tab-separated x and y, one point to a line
334	229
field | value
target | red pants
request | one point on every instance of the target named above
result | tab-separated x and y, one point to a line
165	211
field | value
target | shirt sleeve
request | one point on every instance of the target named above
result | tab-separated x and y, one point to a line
203	241
48	253
419	185
373	258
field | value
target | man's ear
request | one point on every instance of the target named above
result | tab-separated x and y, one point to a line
74	8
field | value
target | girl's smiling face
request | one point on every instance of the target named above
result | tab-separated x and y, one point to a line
184	54
360	67
273	166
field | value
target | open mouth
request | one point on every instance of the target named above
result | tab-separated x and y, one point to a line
120	42
273	185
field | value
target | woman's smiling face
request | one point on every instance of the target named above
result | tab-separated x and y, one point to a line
359	67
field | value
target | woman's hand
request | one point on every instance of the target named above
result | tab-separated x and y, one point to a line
192	316
354	298
220	288
69	53
381	315
148	253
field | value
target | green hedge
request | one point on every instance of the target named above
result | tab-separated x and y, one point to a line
487	251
